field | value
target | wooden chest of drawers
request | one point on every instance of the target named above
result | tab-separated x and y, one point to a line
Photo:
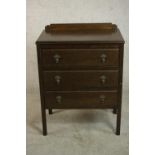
80	70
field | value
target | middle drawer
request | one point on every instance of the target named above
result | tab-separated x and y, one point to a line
80	80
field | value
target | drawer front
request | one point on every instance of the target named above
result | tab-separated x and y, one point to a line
70	58
80	80
102	99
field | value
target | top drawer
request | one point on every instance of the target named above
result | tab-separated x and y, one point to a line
80	58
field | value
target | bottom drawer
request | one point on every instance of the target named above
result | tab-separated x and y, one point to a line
71	100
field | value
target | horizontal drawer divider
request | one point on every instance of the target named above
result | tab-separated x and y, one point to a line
69	67
80	70
112	49
113	91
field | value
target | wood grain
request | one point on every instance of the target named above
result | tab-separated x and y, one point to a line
80	67
80	80
81	28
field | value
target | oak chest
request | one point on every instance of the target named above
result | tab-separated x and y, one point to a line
80	67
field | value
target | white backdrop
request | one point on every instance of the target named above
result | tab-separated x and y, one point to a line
43	12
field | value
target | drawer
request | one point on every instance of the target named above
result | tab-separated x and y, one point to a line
70	58
104	99
80	80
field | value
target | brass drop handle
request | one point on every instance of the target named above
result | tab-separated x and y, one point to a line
58	99
102	98
103	58
57	58
57	79
103	79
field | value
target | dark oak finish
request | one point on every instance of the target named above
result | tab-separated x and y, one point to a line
95	27
80	100
115	110
80	66
50	111
80	57
80	80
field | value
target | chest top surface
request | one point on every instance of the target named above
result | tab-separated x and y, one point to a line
81	37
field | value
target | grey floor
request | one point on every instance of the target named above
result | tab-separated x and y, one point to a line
76	132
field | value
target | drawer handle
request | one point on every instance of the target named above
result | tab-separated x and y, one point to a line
58	99
57	58
57	79
103	58
103	79
102	98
